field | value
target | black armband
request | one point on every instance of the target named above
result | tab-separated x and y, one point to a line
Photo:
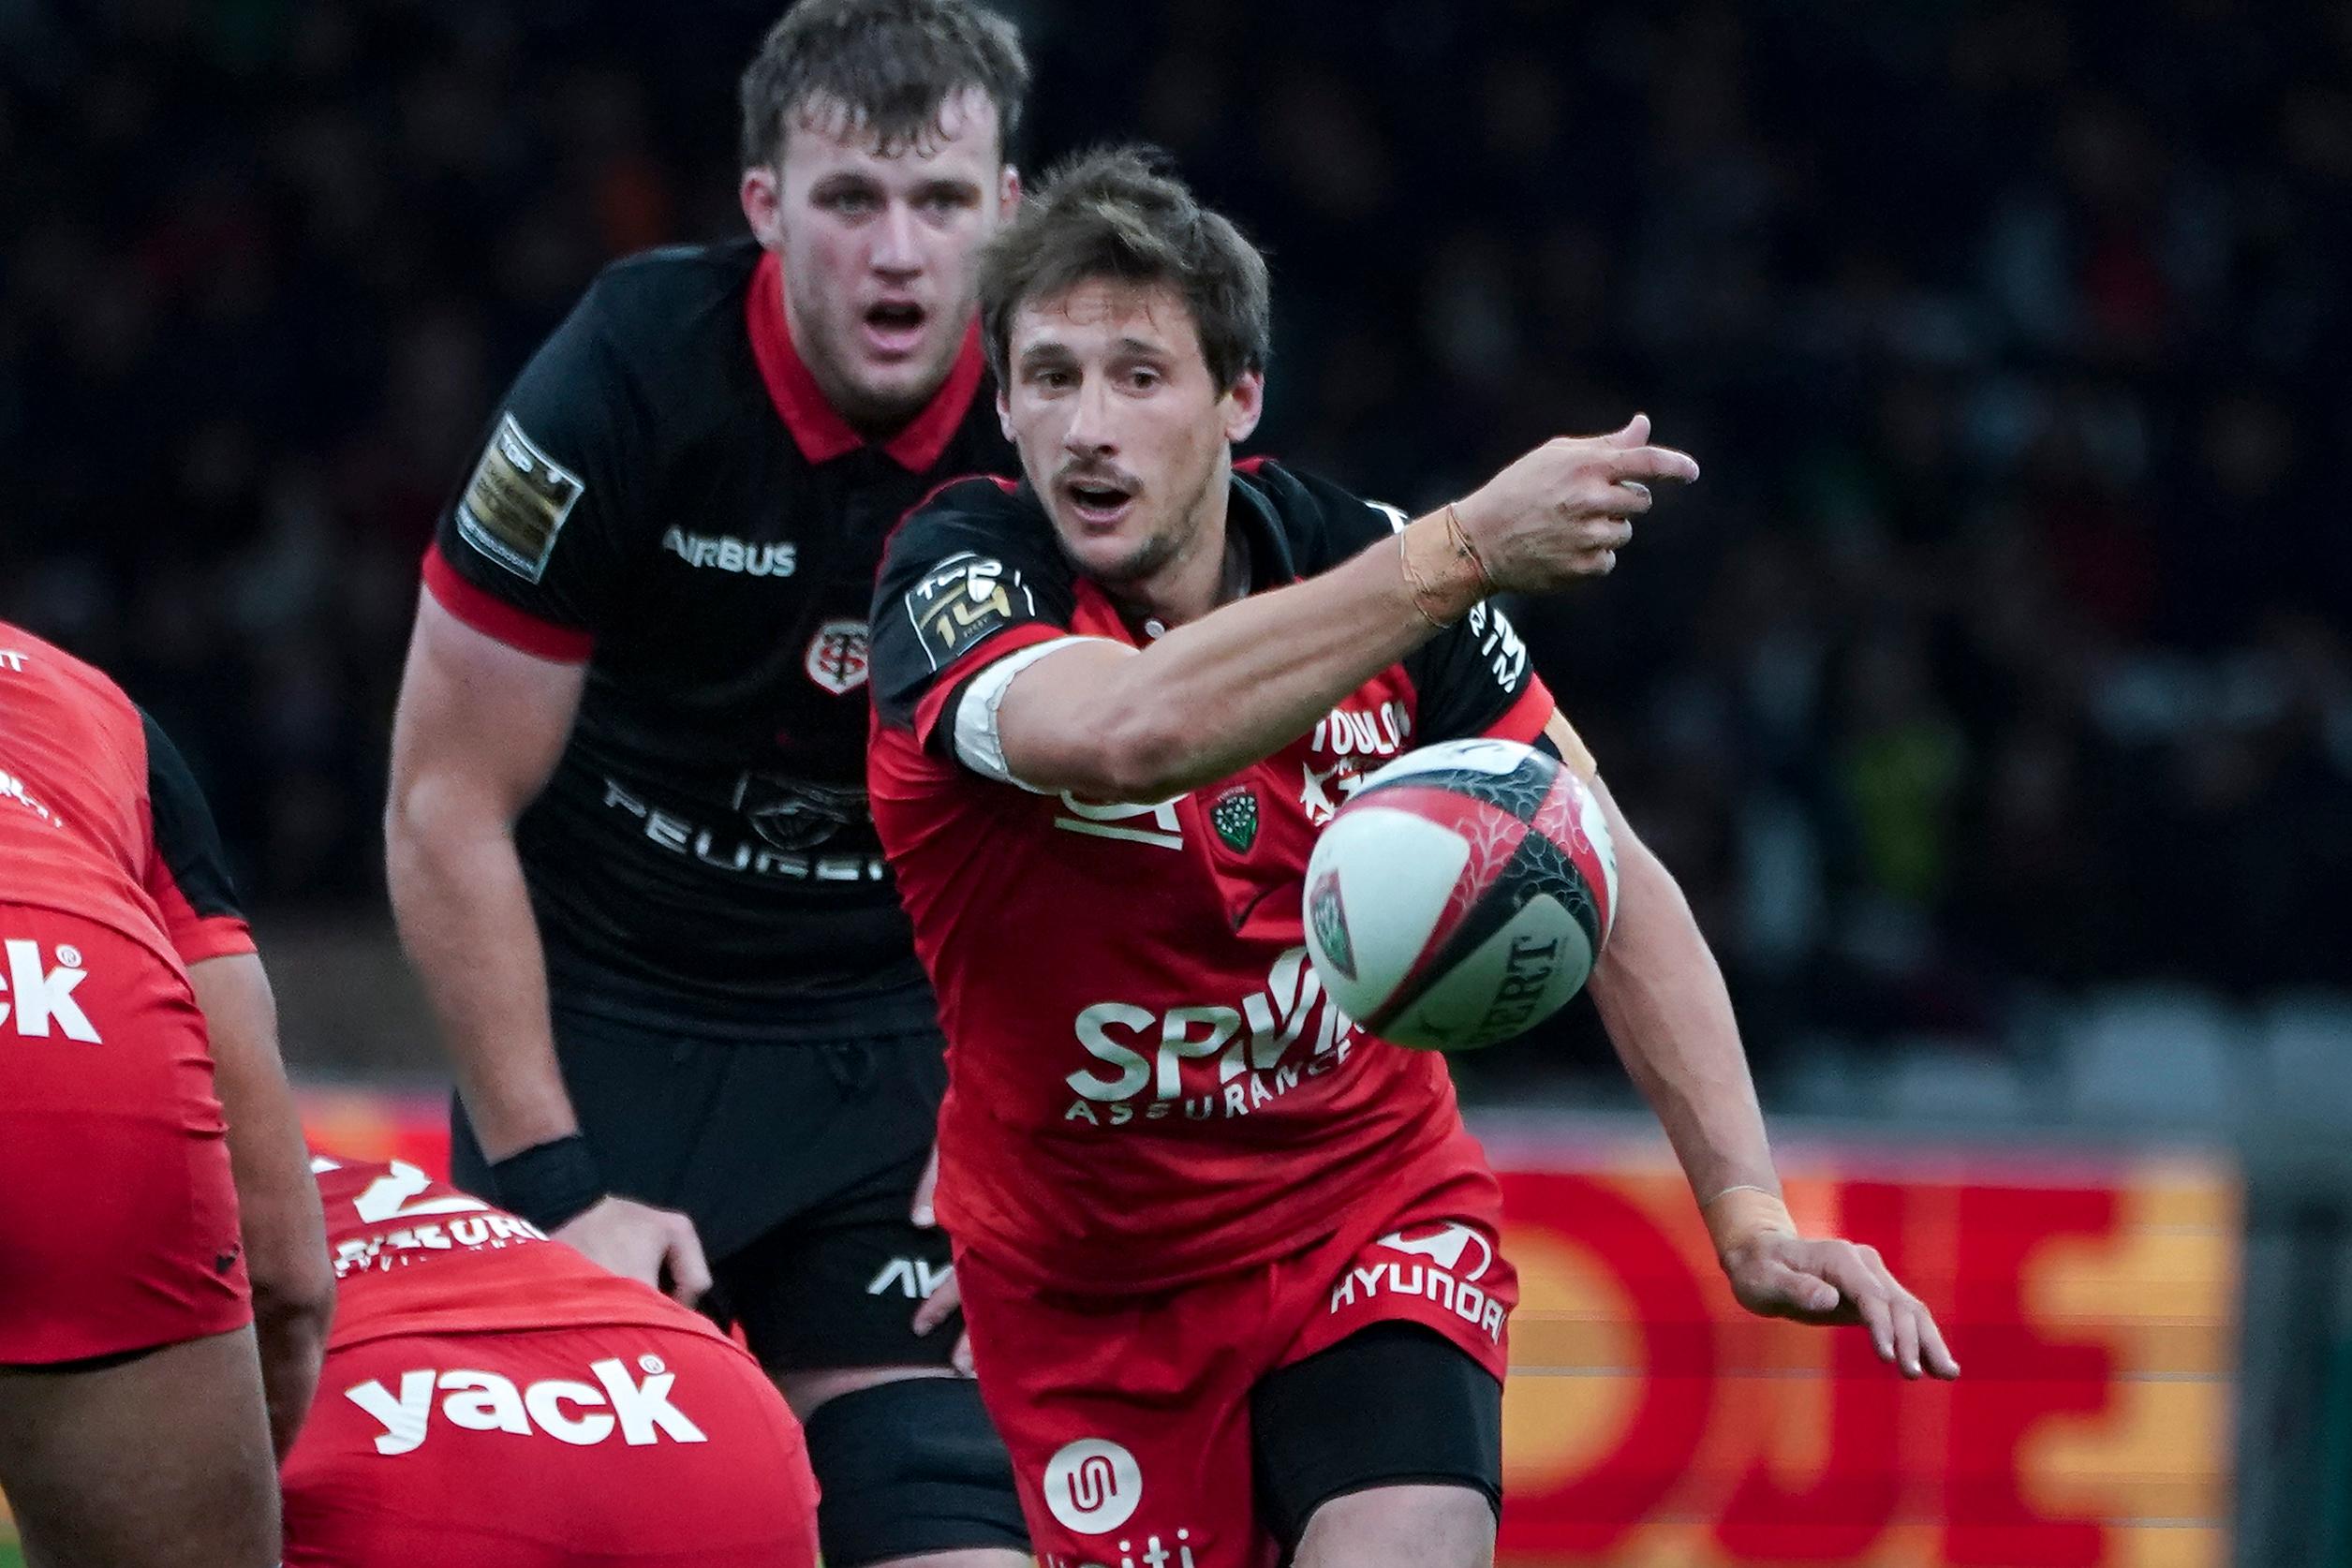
550	1184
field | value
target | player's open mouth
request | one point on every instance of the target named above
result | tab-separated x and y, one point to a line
895	327
1098	504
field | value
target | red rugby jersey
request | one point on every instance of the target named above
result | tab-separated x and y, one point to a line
99	816
1148	1083
413	1256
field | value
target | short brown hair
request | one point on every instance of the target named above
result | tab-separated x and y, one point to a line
1118	213
892	64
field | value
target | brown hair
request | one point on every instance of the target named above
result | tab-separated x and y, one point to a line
1116	213
890	64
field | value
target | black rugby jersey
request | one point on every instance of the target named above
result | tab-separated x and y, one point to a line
666	494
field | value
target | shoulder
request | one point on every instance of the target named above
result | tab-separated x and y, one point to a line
649	288
643	309
976	558
978	515
80	693
1323	523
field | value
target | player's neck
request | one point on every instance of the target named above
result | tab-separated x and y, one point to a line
1213	573
875	420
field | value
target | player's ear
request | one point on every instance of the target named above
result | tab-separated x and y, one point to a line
1245	400
1004	417
1009	193
762	198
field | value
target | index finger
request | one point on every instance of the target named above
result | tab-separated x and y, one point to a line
939	1306
1871	1299
921	1214
1649	462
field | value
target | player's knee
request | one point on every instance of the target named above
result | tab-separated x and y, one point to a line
1415	1525
907	1469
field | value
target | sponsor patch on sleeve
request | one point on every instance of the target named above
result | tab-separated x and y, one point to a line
1499	645
963	600
516	502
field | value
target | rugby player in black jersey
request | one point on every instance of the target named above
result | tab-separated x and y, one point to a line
629	846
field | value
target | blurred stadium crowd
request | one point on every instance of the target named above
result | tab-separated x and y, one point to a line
2002	647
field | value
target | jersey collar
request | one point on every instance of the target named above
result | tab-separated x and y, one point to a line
1272	562
816	425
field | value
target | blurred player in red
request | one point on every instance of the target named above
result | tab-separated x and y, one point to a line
1230	1264
153	1257
491	1398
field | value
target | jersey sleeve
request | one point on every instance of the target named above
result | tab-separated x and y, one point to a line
1472	679
966	581
187	871
533	552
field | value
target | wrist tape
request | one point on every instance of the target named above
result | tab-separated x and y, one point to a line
550	1184
1738	1216
1442	569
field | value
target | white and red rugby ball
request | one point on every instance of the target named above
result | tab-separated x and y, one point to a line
1462	896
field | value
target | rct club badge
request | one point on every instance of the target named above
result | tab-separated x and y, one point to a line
1236	818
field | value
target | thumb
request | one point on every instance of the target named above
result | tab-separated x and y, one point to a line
1635	433
1774	1283
689	1274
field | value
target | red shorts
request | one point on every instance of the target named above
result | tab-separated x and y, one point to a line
547	1448
118	1219
1128	1419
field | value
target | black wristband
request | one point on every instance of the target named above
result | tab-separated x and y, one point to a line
550	1184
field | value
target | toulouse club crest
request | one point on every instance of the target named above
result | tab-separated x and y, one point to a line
836	657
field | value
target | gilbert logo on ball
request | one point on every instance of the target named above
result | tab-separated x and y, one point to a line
1462	896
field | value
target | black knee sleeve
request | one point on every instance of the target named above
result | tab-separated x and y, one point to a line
1394	1402
910	1466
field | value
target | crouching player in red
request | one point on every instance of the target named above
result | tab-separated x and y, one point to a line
492	1397
164	1294
1201	1218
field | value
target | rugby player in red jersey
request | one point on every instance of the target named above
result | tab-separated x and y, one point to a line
153	1257
491	1398
1114	703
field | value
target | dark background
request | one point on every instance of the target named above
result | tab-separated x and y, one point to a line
2001	653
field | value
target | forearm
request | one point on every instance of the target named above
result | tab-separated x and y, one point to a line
281	1226
1661	996
1267	667
1272	664
292	1345
465	921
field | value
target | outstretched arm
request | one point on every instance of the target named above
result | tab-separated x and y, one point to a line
1661	996
1114	723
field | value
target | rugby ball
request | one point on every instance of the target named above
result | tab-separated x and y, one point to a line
1462	896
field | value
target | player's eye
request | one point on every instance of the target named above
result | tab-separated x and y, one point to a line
1143	378
848	203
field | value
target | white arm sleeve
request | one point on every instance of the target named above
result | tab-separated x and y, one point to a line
977	742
